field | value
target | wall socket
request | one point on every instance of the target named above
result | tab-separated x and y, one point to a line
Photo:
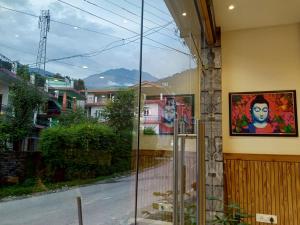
265	218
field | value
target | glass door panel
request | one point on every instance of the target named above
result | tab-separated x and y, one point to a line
170	106
79	142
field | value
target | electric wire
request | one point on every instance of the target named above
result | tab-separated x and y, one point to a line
107	47
139	7
94	53
126	18
95	72
60	22
76	26
158	9
133	13
30	53
125	28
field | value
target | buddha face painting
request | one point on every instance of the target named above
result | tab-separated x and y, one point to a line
169	115
260	112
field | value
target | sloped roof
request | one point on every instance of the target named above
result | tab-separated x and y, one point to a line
7	76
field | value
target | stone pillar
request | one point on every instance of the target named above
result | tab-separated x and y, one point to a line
211	113
64	103
74	104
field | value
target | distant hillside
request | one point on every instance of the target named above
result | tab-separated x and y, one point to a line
36	70
116	78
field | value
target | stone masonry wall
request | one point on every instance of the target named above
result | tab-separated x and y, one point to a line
211	113
18	164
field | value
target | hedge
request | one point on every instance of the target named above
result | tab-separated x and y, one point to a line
83	151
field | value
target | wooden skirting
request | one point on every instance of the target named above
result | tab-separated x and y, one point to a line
268	184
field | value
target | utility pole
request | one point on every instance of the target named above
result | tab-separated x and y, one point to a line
44	26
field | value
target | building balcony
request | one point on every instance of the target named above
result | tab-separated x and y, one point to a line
102	102
151	119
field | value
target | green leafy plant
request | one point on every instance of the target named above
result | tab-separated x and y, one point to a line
78	151
233	215
149	131
119	113
17	122
70	118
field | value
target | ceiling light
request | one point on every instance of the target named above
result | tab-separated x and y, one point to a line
184	13
101	77
16	35
231	7
84	67
76	28
125	21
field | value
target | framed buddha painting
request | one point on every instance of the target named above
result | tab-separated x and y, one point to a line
265	113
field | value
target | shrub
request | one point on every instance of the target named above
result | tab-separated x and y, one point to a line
149	131
78	151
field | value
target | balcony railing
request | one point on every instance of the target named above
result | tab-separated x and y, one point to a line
151	119
99	102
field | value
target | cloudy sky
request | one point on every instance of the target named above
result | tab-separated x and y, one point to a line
100	34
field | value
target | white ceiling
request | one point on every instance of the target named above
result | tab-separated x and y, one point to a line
255	13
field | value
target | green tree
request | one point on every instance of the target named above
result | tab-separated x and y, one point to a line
120	111
39	80
79	84
119	114
23	72
77	117
18	121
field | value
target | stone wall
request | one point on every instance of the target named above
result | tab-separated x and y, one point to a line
211	114
18	164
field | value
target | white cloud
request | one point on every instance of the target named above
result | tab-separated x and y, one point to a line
112	83
66	41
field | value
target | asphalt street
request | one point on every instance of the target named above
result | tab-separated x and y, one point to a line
105	203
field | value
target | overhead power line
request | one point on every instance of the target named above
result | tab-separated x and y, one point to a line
139	7
158	9
60	22
107	47
135	14
126	18
125	28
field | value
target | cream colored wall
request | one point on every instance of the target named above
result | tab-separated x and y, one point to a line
260	60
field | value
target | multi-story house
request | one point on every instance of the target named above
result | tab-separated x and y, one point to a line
66	97
6	78
96	101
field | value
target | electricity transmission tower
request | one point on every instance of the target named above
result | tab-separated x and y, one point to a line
44	26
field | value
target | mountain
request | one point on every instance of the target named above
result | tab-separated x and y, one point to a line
36	70
116	78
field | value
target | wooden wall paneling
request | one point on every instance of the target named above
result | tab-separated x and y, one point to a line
265	185
294	193
233	183
276	190
289	191
240	185
281	192
285	197
253	198
267	188
297	175
248	185
272	184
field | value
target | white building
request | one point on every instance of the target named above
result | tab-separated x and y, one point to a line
96	101
6	77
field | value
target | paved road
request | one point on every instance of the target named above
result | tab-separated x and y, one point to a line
103	204
109	203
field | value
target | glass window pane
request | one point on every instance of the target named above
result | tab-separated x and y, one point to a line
68	111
